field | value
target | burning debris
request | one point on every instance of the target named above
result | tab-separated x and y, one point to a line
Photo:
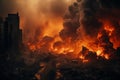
84	26
87	41
86	37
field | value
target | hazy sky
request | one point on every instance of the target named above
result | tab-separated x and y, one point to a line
44	16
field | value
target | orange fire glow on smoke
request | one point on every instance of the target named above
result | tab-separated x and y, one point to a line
57	46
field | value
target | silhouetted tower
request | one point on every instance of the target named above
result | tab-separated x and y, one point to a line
1	34
12	33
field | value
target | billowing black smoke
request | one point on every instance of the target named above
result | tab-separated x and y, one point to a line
71	23
84	18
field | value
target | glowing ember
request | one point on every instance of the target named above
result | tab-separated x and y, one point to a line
82	57
85	61
99	52
106	56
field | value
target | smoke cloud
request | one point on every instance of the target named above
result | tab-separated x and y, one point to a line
38	17
83	18
52	17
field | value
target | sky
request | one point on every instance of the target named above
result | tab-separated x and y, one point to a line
44	18
37	16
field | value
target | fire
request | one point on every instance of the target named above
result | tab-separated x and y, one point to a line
51	29
99	52
32	47
101	46
83	59
63	50
109	28
106	56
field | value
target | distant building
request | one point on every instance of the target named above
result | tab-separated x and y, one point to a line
1	34
10	32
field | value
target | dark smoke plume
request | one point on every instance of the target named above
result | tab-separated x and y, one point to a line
83	18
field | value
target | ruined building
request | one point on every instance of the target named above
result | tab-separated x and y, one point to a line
10	32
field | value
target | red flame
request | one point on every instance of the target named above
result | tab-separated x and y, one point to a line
98	46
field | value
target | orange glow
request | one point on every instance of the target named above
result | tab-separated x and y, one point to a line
99	35
99	52
63	50
109	29
81	48
53	27
32	47
85	61
81	57
106	56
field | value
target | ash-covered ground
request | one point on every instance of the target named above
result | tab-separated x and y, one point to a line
48	66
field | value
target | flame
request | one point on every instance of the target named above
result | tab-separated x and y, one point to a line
59	46
52	28
63	50
83	59
108	28
99	52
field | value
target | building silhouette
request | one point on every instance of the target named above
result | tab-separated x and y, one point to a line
1	34
10	32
